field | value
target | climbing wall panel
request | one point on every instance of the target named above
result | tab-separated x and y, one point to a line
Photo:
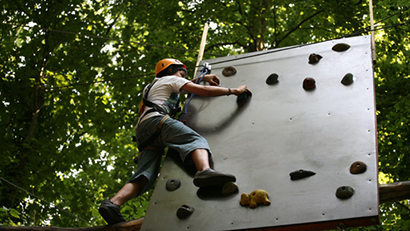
311	115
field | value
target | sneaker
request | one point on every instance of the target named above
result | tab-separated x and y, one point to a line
210	177
110	212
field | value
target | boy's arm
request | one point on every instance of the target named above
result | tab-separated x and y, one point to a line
211	91
211	79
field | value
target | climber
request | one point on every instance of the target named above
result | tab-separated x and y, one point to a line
162	97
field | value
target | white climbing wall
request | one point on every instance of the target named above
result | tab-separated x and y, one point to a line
283	128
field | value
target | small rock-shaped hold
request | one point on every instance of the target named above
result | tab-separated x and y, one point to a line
228	71
347	79
184	211
309	84
358	167
300	174
221	191
272	79
229	188
341	47
173	184
256	197
344	192
243	97
314	58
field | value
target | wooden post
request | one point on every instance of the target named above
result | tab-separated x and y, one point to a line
201	48
373	45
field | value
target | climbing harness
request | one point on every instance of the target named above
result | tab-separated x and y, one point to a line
154	107
146	145
154	136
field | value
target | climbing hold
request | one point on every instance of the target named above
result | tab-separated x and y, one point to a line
341	47
309	84
184	211
344	192
347	79
272	79
358	167
242	97
314	58
173	184
229	188
228	71
300	174
220	191
256	197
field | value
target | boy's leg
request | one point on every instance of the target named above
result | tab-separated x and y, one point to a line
110	209
129	191
201	159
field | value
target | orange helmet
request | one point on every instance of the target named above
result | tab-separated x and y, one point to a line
165	63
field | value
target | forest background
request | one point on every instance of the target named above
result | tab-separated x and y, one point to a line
72	73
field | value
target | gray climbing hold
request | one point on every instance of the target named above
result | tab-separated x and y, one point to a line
229	188
272	79
340	47
173	184
301	174
314	58
347	79
184	211
344	192
244	97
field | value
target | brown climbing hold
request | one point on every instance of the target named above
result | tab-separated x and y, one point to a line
184	211
300	174
314	58
358	167
228	71
341	47
347	79
272	79
309	84
344	192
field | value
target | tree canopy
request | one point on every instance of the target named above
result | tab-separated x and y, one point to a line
72	73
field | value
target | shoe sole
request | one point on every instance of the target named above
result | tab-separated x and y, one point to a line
213	181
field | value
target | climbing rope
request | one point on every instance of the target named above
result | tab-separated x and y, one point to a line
206	70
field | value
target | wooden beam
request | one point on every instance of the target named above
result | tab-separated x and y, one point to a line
373	42
201	48
394	192
133	225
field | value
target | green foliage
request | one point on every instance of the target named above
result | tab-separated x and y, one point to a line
72	73
6	216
